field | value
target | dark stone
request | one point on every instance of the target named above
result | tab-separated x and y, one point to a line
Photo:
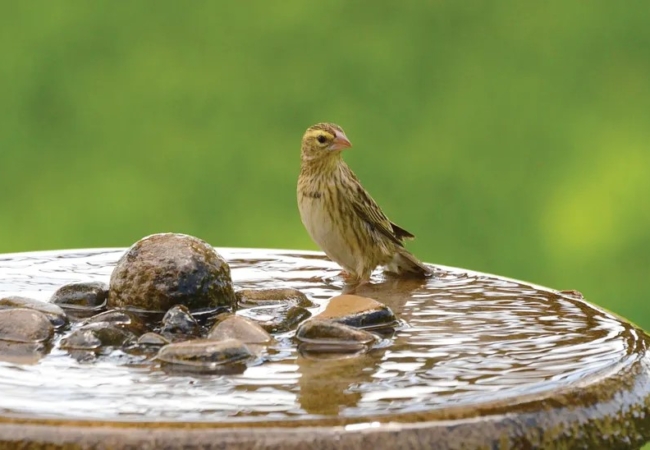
81	299
54	313
207	316
178	320
168	269
278	319
359	312
24	325
121	319
96	336
266	297
206	356
242	328
147	316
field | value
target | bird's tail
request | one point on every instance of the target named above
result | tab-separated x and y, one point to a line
405	264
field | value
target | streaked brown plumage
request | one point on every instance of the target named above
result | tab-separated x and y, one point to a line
341	217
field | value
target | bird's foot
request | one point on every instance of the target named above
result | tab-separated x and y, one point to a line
352	278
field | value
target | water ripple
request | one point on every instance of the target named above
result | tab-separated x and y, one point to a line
467	338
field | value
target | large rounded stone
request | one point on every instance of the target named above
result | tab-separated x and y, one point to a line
163	270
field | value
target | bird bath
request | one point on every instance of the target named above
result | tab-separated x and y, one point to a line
478	361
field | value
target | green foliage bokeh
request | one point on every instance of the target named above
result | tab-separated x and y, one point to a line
510	137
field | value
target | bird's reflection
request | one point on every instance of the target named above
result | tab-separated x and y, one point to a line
326	380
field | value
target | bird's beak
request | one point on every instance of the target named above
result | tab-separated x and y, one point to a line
341	141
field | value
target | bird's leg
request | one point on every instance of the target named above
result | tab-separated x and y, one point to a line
347	276
353	281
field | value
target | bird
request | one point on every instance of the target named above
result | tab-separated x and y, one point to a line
340	215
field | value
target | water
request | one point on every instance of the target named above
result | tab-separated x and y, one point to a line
467	338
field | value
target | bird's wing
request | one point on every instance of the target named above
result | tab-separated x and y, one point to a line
401	233
368	210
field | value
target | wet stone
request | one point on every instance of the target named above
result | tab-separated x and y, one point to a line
54	313
120	319
217	318
168	269
145	315
242	328
95	336
277	319
359	312
327	335
207	316
24	325
318	337
81	299
205	355
265	297
179	321
152	339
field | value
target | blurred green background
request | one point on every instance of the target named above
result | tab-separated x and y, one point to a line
510	137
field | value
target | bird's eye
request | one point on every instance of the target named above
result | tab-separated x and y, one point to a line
322	139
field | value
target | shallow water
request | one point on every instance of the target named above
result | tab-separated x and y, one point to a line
466	338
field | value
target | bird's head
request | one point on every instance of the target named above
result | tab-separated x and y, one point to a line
323	140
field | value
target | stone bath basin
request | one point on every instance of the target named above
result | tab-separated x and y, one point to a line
477	361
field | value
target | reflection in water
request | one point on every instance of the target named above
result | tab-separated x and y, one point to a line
323	393
465	338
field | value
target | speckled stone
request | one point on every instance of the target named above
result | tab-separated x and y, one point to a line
163	270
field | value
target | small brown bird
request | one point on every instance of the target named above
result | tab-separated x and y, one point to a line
341	217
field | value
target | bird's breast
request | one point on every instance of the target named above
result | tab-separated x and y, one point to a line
322	218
